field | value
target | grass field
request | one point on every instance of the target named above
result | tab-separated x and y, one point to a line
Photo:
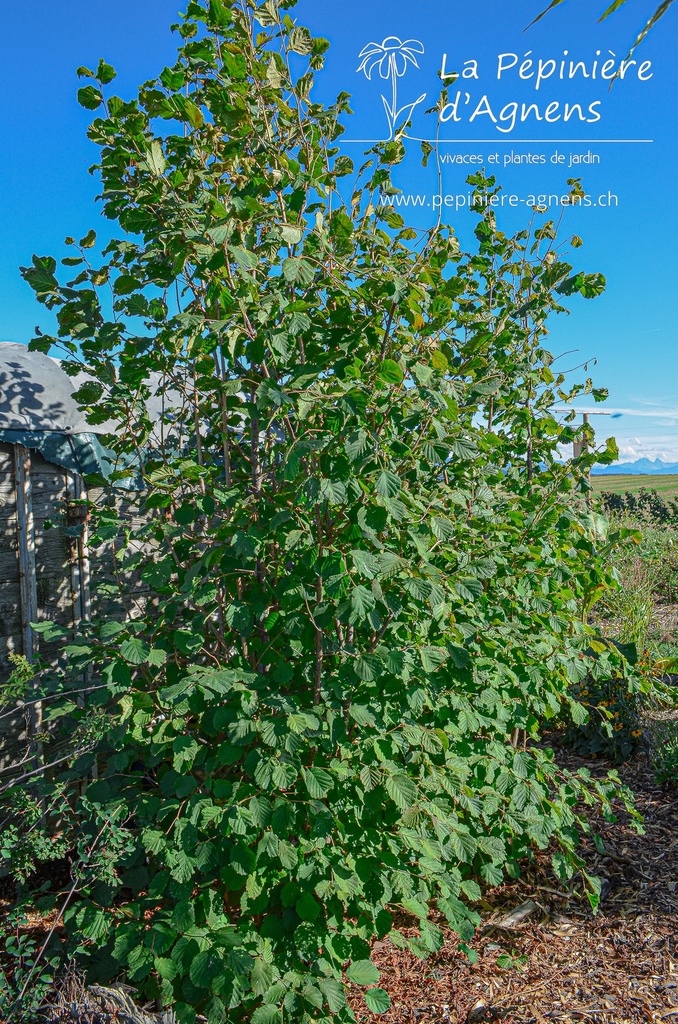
620	483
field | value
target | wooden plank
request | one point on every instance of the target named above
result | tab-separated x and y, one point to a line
10	614
9	645
79	554
9	558
26	537
28	586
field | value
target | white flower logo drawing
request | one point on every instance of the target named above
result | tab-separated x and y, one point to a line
392	57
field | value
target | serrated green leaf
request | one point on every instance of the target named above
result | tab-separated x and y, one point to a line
471	889
362	601
266	1015
388	484
433	657
135	651
415	907
390	372
155	158
206	967
363	972
370	776
377	1000
292	233
262	976
318	782
299	271
402	790
334	994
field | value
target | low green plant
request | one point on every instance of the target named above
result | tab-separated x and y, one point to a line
614	724
16	686
665	753
366	570
645	570
28	968
661	726
647	506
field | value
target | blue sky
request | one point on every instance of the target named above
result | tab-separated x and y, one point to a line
630	331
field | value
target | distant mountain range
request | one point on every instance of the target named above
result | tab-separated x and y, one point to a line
641	467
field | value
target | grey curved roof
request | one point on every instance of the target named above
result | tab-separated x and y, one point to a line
36	394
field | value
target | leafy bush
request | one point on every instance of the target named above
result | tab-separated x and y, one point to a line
648	505
665	755
661	725
367	573
28	969
614	724
645	570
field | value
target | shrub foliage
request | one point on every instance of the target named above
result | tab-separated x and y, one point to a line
368	575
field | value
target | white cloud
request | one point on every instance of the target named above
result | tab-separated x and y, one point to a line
662	447
648	432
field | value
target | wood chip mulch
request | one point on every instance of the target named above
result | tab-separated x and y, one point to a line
617	967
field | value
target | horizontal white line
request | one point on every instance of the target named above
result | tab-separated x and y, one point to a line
667	414
532	142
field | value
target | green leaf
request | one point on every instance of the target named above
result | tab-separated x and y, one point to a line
155	158
219	14
580	714
402	790
370	776
284	775
333	991
390	372
433	657
206	967
377	1000
554	3
105	72
439	361
192	113
262	976
464	448
362	715
243	257
471	889
166	968
492	874
135	651
363	972
266	1015
415	907
300	40
292	233
307	907
318	782
367	667
362	601
388	484
299	271
90	97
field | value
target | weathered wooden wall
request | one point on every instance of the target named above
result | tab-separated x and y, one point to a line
43	573
45	576
58	588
